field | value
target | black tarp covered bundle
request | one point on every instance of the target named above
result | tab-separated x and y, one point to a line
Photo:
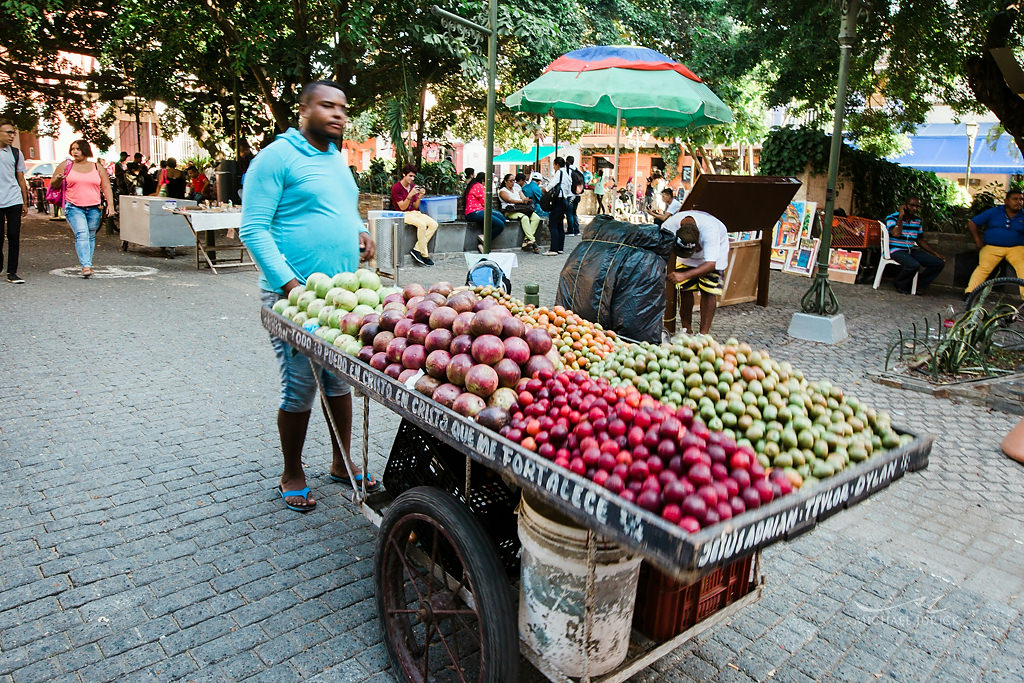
616	277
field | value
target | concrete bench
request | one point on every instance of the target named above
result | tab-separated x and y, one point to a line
455	237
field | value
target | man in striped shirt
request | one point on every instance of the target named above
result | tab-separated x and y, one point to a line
908	249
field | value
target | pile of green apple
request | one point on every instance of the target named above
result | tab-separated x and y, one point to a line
810	428
335	308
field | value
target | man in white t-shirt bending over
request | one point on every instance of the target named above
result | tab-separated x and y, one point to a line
702	247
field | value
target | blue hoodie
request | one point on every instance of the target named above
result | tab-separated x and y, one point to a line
300	213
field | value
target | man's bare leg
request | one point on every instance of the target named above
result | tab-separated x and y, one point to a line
708	302
686	311
341	409
292	429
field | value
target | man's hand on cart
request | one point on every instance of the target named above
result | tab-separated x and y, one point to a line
367	247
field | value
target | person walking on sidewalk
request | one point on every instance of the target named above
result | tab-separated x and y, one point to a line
405	197
576	185
86	185
300	217
559	207
13	199
908	249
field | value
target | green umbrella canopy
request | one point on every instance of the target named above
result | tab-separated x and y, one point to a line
596	83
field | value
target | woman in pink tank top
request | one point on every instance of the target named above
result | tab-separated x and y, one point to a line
86	184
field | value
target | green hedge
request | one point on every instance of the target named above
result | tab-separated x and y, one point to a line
879	186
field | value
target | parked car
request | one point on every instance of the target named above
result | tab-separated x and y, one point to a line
40	168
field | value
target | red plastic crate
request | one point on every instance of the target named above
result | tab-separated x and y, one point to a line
853	232
665	607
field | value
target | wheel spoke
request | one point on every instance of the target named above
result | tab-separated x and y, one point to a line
455	660
405	565
472	631
426	651
432	568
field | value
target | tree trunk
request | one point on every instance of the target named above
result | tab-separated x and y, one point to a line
988	84
282	117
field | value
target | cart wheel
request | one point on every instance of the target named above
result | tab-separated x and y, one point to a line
455	623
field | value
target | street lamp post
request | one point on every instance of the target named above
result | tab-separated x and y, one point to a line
491	31
972	134
820	319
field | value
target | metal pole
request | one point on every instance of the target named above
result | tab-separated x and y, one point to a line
556	136
138	126
636	164
492	70
618	131
972	133
491	31
820	299
238	124
536	142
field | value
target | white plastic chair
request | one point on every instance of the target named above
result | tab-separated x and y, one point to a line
887	259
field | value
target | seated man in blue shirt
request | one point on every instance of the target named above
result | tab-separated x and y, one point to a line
532	190
1003	239
908	249
301	217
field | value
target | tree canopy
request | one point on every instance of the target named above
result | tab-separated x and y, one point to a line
222	63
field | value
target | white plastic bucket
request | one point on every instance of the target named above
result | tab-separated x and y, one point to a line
552	598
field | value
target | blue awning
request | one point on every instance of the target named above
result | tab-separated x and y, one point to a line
515	156
942	148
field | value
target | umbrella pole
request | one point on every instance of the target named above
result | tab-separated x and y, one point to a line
536	143
636	169
618	131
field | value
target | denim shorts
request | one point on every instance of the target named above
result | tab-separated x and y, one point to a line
298	385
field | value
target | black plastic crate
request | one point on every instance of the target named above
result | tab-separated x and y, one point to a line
419	459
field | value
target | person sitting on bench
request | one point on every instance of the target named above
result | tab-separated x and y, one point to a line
405	197
475	196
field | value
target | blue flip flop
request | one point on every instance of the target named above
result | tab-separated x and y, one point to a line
372	485
304	493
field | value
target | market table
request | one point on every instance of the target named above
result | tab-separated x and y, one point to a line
208	221
665	546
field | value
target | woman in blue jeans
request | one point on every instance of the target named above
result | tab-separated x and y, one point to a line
85	182
475	197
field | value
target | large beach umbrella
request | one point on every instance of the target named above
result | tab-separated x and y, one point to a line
612	83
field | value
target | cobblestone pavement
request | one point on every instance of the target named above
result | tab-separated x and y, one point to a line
143	538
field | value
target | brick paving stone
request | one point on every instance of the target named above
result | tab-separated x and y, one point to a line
40	670
287	645
349	671
189	638
754	666
176	668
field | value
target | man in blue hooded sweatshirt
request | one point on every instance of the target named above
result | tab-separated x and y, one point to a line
300	216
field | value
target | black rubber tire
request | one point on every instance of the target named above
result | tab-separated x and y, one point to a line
485	578
988	284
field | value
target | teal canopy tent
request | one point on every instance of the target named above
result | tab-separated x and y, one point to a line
515	156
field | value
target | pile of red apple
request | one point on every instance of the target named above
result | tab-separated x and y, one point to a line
663	460
467	353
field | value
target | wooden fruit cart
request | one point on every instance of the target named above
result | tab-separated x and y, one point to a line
442	581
